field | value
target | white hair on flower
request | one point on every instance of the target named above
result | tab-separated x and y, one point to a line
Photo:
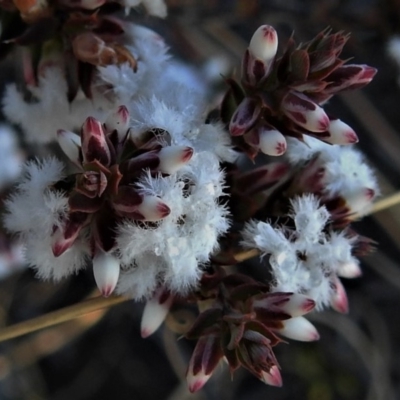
307	259
51	103
345	172
183	120
34	211
177	247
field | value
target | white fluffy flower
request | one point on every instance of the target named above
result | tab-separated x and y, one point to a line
10	156
34	211
181	114
176	248
308	259
343	169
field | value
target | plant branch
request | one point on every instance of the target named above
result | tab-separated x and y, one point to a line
59	316
386	202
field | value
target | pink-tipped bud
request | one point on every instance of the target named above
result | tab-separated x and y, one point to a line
273	377
349	269
245	116
173	157
64	238
106	269
70	144
292	304
205	358
264	43
196	382
119	121
339	301
301	110
350	76
297	305
300	329
153	208
341	133
272	142
94	144
154	313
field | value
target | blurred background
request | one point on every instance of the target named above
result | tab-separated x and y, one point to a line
101	355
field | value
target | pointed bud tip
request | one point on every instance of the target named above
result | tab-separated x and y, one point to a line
369	193
145	333
197	384
93	126
59	248
273	377
163	210
339	300
187	154
264	43
308	305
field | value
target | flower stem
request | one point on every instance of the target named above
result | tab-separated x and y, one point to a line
59	316
386	202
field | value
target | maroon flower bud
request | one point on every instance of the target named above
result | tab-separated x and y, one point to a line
94	143
65	237
339	300
301	110
92	183
264	43
173	157
244	117
340	133
203	362
272	142
351	76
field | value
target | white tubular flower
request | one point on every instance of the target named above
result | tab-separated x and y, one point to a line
306	259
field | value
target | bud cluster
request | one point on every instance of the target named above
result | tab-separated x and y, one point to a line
283	96
76	36
242	325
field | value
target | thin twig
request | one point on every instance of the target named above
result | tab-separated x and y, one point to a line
59	316
386	202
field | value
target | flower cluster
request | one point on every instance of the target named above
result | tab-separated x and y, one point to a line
308	258
139	206
155	197
283	96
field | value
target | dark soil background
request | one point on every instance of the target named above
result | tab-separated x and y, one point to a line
101	356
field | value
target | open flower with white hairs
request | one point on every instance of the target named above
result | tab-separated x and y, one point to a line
346	184
309	257
143	204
